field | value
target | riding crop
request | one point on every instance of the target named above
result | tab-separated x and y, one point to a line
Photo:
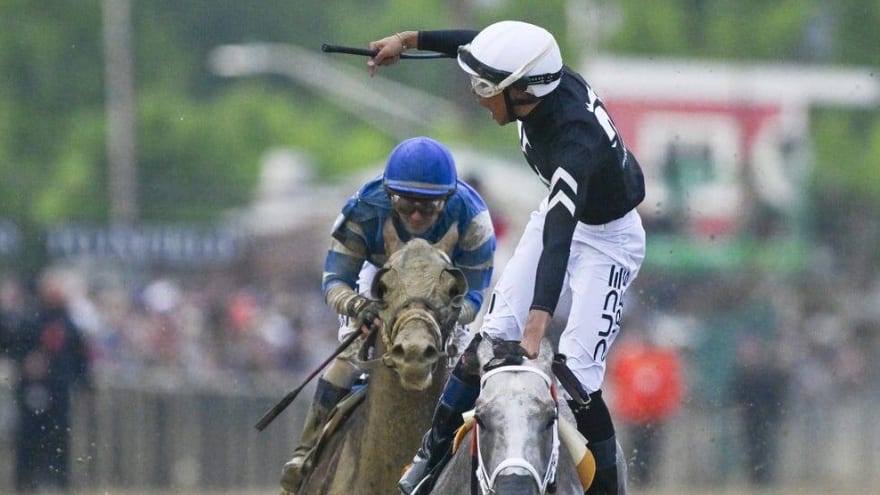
372	53
287	399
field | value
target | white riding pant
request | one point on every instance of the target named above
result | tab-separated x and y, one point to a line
460	334
603	262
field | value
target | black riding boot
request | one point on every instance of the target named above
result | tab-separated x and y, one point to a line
605	482
594	423
459	395
435	446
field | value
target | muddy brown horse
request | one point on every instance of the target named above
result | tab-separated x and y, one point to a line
366	453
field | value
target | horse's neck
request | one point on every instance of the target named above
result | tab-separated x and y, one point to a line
394	421
395	413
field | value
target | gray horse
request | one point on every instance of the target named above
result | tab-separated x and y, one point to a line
525	439
420	288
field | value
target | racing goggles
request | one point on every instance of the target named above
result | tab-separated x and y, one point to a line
408	205
489	81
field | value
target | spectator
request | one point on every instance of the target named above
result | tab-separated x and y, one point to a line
11	312
757	390
51	359
648	384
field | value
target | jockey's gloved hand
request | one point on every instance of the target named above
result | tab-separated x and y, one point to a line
365	312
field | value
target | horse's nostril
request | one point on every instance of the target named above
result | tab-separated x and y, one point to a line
516	484
398	352
430	354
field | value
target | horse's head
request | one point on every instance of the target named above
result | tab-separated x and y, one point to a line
517	435
422	292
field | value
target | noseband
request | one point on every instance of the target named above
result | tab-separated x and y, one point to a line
417	309
484	482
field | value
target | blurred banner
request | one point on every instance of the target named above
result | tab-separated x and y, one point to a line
162	244
725	149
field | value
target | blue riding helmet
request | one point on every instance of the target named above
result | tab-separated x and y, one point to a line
420	167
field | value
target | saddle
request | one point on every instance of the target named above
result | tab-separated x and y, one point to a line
335	420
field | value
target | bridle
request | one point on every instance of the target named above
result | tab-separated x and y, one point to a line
418	309
484	482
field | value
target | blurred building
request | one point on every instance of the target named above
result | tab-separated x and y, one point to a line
726	152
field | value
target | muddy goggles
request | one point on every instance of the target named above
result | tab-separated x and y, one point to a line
489	81
408	205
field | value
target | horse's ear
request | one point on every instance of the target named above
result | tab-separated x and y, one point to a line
485	351
454	279
384	277
545	355
393	243
449	240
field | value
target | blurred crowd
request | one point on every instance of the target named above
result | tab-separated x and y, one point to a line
765	349
195	331
757	347
205	328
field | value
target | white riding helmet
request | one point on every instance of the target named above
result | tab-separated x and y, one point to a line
512	53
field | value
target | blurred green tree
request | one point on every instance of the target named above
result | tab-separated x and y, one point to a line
201	137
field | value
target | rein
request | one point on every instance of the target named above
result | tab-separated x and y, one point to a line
484	482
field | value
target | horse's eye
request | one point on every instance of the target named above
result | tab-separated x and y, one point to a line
551	422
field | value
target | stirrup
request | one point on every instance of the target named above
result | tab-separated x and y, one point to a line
419	476
294	473
415	475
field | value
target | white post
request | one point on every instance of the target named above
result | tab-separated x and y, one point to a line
120	109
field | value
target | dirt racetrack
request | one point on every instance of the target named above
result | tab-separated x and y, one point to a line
744	490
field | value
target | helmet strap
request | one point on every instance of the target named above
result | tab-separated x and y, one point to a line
510	104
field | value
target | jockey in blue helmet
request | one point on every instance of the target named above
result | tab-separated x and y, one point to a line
419	177
418	195
420	167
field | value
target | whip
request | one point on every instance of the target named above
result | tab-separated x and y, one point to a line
372	53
